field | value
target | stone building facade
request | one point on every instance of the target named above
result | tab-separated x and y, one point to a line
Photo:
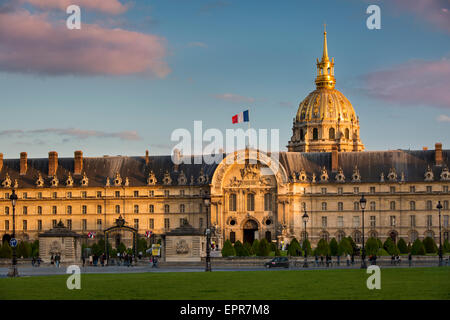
253	194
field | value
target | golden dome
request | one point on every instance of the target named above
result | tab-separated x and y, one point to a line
325	104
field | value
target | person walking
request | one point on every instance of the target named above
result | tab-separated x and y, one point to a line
348	260
57	260
410	259
338	260
374	259
84	260
353	259
52	259
316	259
392	259
321	260
91	259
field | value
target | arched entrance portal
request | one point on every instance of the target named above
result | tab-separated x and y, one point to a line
250	228
120	226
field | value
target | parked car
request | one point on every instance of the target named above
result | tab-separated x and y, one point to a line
278	262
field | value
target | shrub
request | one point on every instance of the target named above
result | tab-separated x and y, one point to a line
380	244
372	246
35	248
382	252
402	247
5	251
345	247
390	246
24	249
121	248
228	250
277	252
333	247
294	248
142	245
430	245
322	247
255	246
264	248
418	248
446	246
249	248
240	250
306	246
353	244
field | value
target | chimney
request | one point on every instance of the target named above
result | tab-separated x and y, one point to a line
1	161
78	162
334	158
23	163
52	163
438	153
146	157
425	148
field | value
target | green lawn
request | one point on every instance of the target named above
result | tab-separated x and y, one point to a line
401	283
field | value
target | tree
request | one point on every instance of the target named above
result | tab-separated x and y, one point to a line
430	245
322	247
240	249
417	248
121	248
401	245
35	248
142	245
294	248
333	247
228	250
390	246
345	247
5	251
23	249
446	246
306	246
353	244
249	248
264	248
255	246
372	246
380	244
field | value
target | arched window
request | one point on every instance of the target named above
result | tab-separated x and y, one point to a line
315	134
250	202
232	204
412	205
340	236
357	237
267	202
324	235
347	134
331	134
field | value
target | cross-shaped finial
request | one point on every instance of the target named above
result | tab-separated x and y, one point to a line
324	27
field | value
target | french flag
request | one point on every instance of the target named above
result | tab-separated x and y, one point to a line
240	117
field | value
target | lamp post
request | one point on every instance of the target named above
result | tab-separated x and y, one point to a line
439	207
13	272
362	204
305	218
208	235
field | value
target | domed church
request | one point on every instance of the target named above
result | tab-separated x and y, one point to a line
325	117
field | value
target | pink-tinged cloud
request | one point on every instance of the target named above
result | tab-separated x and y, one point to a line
74	133
31	43
436	12
105	6
423	83
233	97
443	118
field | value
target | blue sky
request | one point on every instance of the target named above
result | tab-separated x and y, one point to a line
260	53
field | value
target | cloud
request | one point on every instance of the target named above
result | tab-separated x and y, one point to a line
412	83
443	118
31	43
214	5
197	44
75	133
106	6
285	104
435	12
233	98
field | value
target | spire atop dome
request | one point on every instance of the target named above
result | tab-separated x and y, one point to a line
325	67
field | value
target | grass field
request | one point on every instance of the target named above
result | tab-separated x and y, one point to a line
401	283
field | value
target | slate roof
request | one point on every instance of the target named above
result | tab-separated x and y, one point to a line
370	165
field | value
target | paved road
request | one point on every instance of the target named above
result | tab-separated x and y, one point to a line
51	270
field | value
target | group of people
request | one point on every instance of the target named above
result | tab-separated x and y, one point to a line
329	260
36	261
395	259
55	259
93	260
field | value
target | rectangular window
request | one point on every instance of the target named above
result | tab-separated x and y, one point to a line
136	194
6	225
372	206
356	206
69	195
99	224
340	190
117	194
324	222
151	224
429	189
182	193
392	205
39	195
166	193
84	224
84	194
7	210
166	208
55	195
25	195
54	223
412	220
25	210
324	190
54	210
200	222
356	190
372	189
392	221
166	223
182	208
25	225
117	208
7	196
355	221
445	189
39	225
340	206
99	194
392	189
429	205
340	221
412	189
429	220
151	193
136	208
83	209
324	206
151	208
99	209
445	207
69	209
200	207
373	221
69	224
446	221
39	210
182	221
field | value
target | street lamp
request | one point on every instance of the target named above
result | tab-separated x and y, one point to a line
208	235
13	272
362	204
439	207
305	218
